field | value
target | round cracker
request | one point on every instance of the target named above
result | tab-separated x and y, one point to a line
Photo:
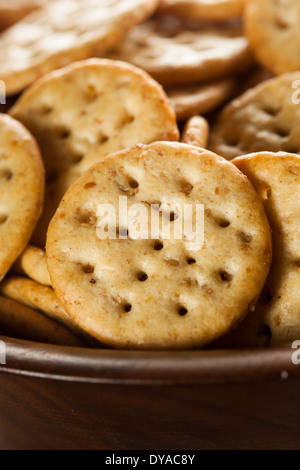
86	111
62	32
266	117
176	52
212	10
157	294
276	317
200	99
272	27
196	132
22	183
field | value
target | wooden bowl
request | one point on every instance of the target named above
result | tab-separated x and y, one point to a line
67	398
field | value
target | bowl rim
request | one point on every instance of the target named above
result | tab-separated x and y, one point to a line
109	366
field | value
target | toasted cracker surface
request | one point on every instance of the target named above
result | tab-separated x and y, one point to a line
33	263
179	52
265	118
272	27
22	182
157	293
65	31
200	99
276	317
86	111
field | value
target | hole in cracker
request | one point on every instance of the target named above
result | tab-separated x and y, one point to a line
158	245
191	261
271	111
172	262
93	281
207	289
142	277
6	174
128	119
266	193
223	223
233	140
182	311
245	238
88	269
127	307
3	218
281	23
187	188
225	276
87	219
173	216
282	132
78	159
133	184
91	93
124	189
190	282
47	109
103	139
64	133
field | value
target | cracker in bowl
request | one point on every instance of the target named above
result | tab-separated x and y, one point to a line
65	31
176	52
272	27
276	317
200	99
86	111
22	184
158	292
264	118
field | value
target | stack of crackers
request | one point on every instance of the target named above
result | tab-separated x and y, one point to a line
114	112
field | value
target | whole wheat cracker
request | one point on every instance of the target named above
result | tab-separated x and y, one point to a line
276	317
196	132
65	31
19	321
33	263
156	293
178	52
86	111
200	99
22	182
266	117
212	10
272	27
